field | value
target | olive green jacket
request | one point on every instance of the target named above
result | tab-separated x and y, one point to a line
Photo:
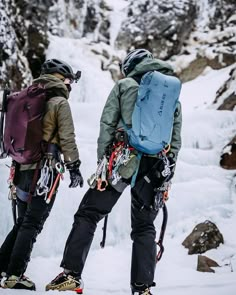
120	104
58	127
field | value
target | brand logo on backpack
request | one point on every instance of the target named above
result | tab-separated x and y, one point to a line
153	115
162	105
23	134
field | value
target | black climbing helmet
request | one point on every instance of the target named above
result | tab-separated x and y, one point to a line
52	66
133	58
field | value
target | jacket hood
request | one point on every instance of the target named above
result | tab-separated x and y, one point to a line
53	85
148	64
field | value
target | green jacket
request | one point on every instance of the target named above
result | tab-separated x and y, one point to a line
121	101
58	127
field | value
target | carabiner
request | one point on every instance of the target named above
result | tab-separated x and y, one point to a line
101	184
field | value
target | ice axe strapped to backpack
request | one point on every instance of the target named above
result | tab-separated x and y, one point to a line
3	109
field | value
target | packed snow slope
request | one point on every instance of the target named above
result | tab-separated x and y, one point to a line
201	190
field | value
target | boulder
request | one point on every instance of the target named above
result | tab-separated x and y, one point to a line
204	264
205	236
228	157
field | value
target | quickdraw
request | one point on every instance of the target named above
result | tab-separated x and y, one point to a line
102	182
12	188
120	156
12	192
45	181
99	178
60	169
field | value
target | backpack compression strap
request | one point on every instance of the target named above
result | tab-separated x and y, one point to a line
6	92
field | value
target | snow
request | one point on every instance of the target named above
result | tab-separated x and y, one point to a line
201	191
116	16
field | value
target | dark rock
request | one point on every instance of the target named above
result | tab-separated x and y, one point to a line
24	37
159	26
225	96
204	264
205	236
221	11
91	20
228	157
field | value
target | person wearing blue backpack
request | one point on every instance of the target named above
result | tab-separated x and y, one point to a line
138	145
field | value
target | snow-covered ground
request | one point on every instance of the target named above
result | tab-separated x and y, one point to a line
201	190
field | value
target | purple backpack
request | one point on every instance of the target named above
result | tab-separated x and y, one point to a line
23	132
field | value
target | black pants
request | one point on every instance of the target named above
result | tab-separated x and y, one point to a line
94	206
16	249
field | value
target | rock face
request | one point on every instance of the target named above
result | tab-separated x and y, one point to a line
80	18
24	27
204	264
204	30
226	95
228	157
23	39
211	42
205	236
159	26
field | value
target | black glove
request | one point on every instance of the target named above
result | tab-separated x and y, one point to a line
75	174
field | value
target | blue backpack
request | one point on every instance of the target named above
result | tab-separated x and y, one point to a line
153	115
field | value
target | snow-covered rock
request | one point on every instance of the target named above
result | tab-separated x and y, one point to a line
205	236
161	26
228	157
226	95
211	42
80	18
23	39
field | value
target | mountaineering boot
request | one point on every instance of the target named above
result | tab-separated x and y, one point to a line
14	282
140	289
66	282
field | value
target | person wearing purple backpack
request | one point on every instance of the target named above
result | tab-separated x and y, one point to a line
35	183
